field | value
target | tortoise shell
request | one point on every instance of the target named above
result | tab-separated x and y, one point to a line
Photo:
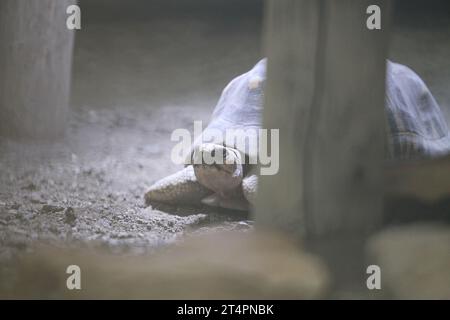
415	124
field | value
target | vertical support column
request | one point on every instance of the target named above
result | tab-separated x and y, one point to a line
325	91
35	67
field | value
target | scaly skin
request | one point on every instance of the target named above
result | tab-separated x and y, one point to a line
181	187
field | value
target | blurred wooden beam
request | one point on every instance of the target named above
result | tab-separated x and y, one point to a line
35	67
325	92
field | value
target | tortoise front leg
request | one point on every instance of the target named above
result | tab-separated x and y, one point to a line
249	188
181	187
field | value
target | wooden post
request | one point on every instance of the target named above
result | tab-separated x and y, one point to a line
35	67
326	93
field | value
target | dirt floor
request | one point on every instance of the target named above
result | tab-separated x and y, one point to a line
91	186
134	83
130	91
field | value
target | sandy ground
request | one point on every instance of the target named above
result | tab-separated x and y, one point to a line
90	187
130	91
133	84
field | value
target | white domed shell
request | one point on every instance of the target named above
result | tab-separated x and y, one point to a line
415	124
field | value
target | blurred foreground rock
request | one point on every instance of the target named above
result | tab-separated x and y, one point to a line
414	261
229	265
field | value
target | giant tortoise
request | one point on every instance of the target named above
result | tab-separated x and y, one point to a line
415	128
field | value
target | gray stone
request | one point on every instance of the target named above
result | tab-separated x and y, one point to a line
414	260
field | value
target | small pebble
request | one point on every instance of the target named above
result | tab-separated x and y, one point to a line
70	215
123	235
31	187
48	208
36	198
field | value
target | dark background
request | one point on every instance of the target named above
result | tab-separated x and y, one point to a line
151	53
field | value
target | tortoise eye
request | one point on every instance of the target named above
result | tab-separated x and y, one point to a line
224	153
